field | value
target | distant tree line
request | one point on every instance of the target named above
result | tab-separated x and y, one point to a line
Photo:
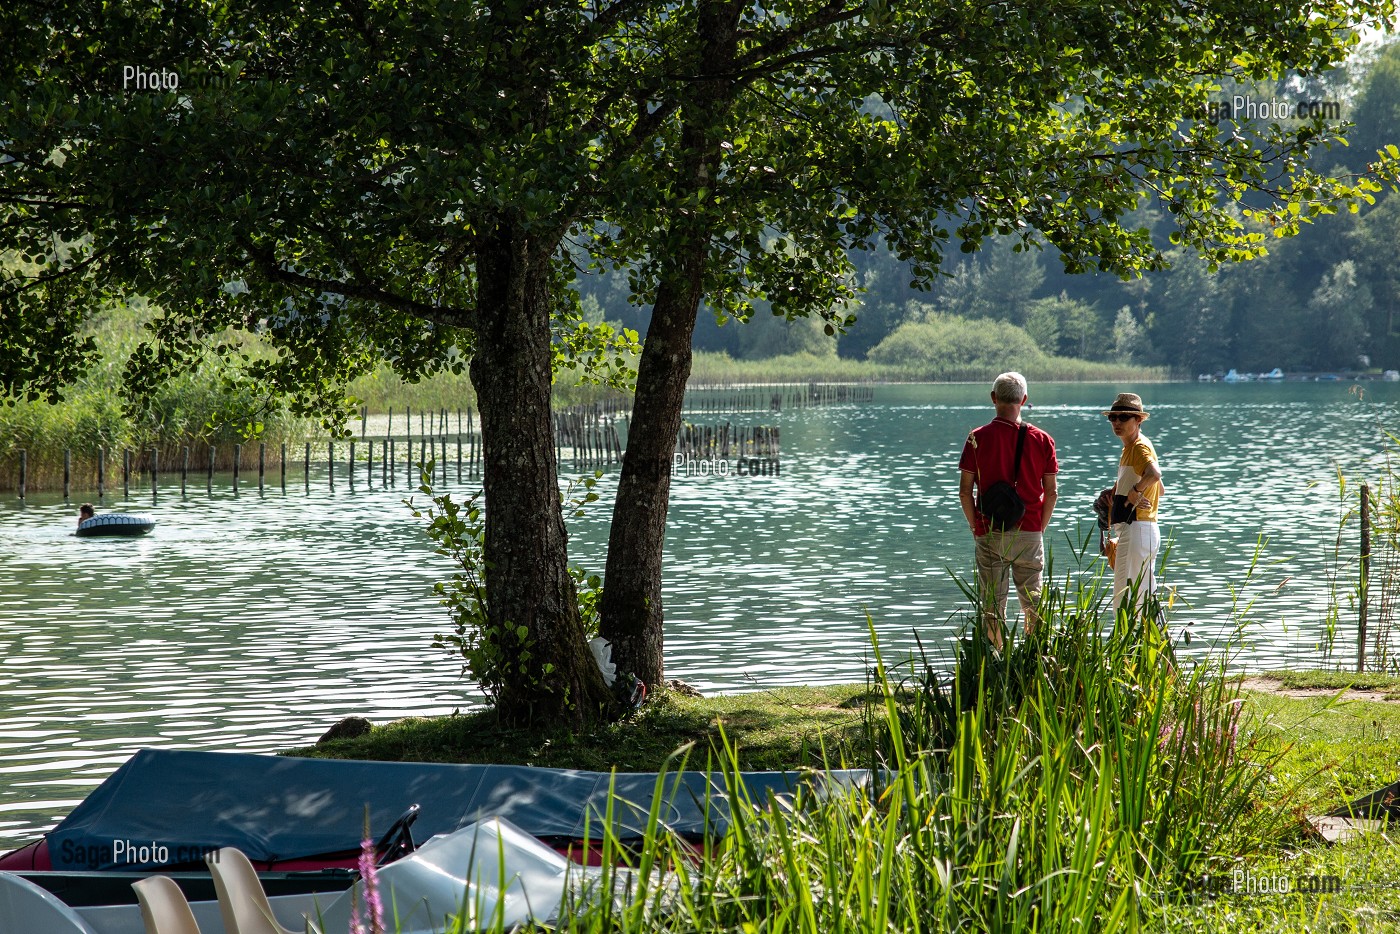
1327	299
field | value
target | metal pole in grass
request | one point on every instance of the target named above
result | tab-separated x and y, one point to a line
23	471
126	473
237	462
1365	577
184	468
262	463
101	470
67	471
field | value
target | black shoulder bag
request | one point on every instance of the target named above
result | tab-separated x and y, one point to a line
1000	502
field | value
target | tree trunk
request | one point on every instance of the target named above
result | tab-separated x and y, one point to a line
551	678
631	610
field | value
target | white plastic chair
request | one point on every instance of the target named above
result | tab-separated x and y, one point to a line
242	901
163	906
26	907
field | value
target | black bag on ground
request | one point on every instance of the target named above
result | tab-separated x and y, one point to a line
1000	502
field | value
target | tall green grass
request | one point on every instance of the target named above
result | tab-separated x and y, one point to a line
1081	781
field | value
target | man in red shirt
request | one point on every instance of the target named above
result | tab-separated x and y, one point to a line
1019	551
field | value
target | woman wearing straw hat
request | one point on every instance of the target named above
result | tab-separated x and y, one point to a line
1140	481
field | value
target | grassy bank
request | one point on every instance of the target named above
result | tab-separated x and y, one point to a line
779	729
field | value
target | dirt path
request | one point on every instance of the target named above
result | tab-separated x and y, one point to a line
1266	685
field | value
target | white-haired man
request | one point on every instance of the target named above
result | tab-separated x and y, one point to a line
990	457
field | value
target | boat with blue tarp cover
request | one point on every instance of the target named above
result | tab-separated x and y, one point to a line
296	814
301	821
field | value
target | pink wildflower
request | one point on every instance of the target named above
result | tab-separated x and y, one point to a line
373	920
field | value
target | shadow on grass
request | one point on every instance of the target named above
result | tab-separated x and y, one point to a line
780	729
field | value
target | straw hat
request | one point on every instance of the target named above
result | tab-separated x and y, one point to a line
1128	402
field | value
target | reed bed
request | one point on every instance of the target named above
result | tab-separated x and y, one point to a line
192	411
383	389
721	369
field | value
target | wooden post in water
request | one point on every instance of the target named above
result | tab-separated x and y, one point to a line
67	472
369	464
350	466
262	463
459	445
101	470
330	461
284	466
155	469
237	463
184	468
390	472
1365	577
306	468
23	471
211	469
364	423
126	473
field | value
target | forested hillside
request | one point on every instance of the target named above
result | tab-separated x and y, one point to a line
1326	299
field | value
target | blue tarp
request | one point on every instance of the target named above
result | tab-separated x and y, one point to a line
178	805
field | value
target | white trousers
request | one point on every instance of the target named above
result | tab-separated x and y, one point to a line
1133	566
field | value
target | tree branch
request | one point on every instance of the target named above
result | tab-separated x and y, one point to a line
269	266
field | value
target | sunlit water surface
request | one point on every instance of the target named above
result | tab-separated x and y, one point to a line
251	621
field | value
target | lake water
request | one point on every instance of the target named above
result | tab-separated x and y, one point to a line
253	621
